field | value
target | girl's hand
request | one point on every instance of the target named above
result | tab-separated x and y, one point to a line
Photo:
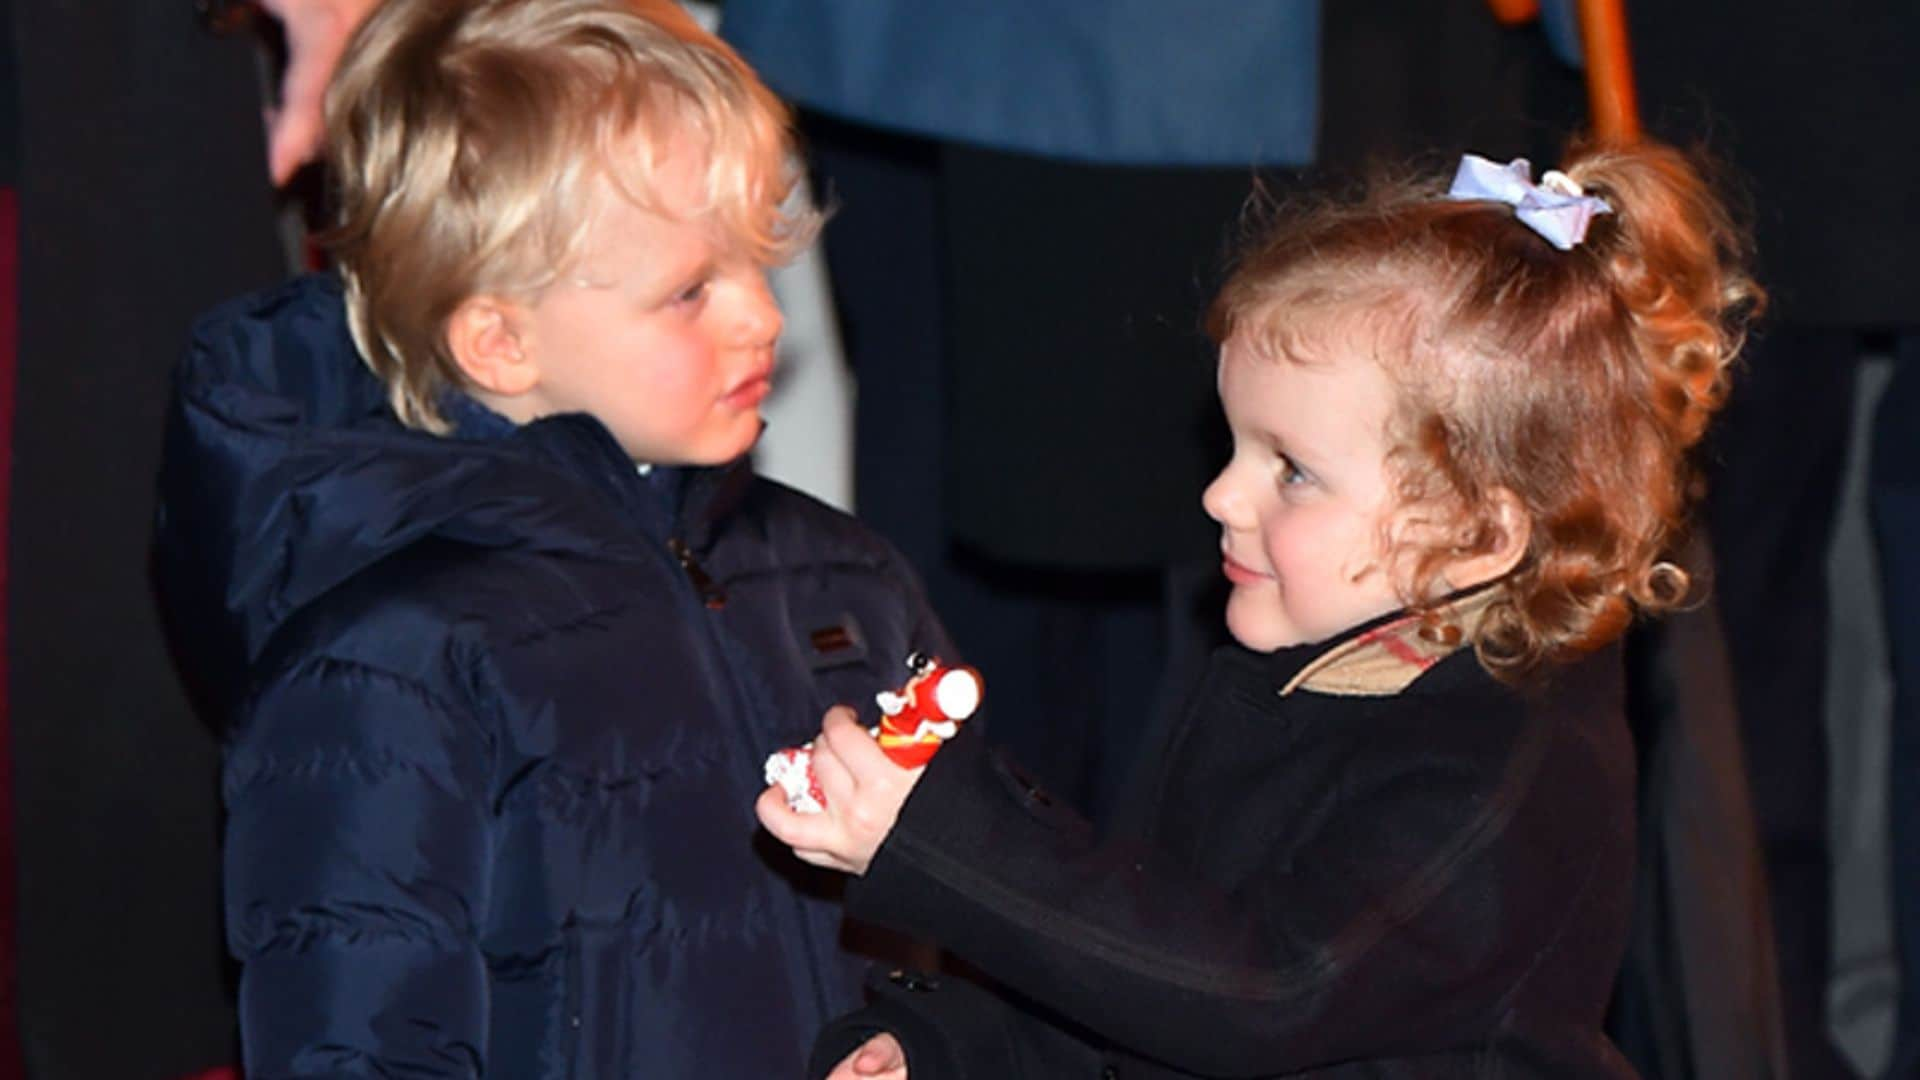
879	1059
864	790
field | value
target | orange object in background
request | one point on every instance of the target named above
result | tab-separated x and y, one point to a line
1515	12
1613	109
1612	105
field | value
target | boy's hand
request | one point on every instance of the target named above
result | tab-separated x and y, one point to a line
863	791
880	1058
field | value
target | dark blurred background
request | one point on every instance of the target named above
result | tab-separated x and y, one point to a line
975	278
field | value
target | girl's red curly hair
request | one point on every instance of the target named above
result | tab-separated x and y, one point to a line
1575	380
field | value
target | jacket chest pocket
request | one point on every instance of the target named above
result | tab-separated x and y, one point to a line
844	663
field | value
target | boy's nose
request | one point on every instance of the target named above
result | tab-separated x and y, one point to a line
757	320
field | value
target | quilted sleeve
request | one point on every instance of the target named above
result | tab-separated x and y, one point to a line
357	856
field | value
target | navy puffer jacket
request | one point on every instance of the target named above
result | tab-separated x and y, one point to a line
498	705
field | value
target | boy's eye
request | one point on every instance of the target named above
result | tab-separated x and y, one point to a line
692	294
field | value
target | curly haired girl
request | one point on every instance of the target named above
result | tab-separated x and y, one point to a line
1393	835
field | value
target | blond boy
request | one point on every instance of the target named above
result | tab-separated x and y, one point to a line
465	543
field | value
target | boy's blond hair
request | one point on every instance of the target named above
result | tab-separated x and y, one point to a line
466	138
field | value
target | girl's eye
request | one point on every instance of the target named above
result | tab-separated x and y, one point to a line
1291	474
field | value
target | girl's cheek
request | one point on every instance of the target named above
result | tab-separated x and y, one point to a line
1282	541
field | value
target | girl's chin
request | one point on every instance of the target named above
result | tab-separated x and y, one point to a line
1261	634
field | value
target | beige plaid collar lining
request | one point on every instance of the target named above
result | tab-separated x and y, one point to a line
1386	659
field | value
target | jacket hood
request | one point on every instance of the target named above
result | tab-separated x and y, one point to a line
285	473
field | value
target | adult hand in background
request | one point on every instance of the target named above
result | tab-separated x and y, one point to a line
317	33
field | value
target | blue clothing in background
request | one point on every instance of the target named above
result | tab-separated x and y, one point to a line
1094	83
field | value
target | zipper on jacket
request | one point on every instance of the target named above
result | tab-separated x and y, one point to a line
711	594
797	920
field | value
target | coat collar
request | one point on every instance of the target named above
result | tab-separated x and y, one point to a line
665	500
1384	657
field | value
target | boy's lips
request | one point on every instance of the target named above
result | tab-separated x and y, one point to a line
1240	573
750	391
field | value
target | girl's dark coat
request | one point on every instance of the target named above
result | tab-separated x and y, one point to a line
1329	879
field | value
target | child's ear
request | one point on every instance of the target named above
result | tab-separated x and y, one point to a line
487	337
1513	531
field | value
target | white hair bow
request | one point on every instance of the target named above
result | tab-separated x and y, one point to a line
1555	208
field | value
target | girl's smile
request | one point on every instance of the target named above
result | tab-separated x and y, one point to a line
1305	501
1239	573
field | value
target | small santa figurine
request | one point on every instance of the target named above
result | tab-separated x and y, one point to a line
914	721
927	711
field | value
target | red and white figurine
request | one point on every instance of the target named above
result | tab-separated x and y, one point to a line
927	711
914	721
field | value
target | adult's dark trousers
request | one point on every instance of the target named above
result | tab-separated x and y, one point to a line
1075	643
1774	473
1894	494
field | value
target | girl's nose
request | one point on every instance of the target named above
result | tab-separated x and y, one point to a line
1220	500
